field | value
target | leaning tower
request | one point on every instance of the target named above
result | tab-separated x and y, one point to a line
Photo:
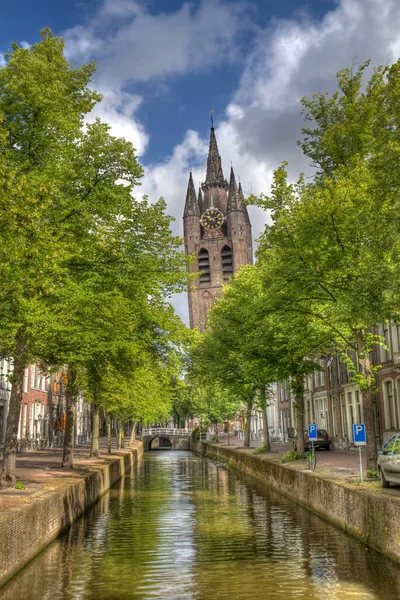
217	229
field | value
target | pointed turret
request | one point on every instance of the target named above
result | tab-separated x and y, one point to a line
242	205
200	200
214	174
233	193
191	206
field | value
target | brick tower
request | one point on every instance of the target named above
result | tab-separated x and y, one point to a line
217	229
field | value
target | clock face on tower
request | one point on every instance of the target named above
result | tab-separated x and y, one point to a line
212	219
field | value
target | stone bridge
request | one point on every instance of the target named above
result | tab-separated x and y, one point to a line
164	438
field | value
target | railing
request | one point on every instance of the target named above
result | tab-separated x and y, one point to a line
254	435
165	431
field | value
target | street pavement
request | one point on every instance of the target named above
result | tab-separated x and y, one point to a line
340	464
40	471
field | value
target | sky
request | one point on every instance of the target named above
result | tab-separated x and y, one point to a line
162	65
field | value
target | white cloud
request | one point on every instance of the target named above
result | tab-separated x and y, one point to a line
118	109
132	44
290	58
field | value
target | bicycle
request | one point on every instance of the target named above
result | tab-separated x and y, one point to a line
312	458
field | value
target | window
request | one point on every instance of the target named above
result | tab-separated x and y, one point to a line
351	420
26	380
227	265
344	415
392	446
390	417
204	266
386	335
359	408
334	418
1	423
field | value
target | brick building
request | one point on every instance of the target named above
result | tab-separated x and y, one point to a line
217	230
43	407
334	402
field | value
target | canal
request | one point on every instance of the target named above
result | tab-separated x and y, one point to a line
182	527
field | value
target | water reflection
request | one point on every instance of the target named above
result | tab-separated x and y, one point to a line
181	527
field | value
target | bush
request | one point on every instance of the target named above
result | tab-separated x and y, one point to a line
293	455
261	449
19	485
371	474
196	433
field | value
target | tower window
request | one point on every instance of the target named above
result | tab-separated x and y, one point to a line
204	266
227	266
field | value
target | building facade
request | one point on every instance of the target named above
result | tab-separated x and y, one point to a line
334	402
43	408
217	231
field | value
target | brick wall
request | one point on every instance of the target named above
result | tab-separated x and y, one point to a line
28	529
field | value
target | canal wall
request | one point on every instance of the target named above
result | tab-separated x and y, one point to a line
370	515
26	529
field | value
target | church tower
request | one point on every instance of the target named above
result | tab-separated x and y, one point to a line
217	230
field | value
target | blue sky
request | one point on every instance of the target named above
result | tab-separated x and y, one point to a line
162	65
174	103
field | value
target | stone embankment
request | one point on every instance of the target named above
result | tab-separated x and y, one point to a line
43	512
365	511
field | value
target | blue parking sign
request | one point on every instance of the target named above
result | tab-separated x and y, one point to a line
359	434
312	432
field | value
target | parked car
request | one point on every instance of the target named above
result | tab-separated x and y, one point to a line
389	461
323	440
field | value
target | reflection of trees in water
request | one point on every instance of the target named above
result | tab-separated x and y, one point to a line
186	528
323	553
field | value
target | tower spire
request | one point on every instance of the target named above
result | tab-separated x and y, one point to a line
200	200
233	197
191	205
242	205
214	174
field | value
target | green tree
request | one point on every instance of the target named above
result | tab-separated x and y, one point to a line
333	246
42	104
75	239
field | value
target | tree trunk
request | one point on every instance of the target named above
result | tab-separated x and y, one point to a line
71	394
267	442
117	433
108	433
229	437
248	425
133	433
10	444
299	404
94	449
122	435
216	432
368	402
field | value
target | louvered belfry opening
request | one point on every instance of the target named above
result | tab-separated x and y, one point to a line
227	265
204	266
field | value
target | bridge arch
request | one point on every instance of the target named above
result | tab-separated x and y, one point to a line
159	442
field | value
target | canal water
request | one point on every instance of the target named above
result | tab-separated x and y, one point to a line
182	528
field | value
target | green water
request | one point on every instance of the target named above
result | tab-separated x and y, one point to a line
182	527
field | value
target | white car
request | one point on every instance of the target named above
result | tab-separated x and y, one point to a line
389	461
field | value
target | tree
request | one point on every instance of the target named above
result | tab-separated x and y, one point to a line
42	103
333	245
76	237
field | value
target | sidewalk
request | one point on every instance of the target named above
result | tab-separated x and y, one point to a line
40	471
338	464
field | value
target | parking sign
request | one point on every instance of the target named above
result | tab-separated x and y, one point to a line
359	434
312	432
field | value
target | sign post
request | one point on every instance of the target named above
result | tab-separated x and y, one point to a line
360	439
312	434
